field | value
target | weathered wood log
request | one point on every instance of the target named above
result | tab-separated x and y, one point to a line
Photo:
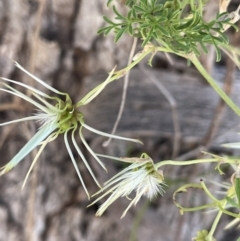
147	110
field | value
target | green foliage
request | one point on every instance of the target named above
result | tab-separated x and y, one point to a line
237	189
231	202
171	24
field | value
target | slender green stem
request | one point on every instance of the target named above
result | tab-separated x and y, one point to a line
122	72
208	193
200	7
198	208
142	55
184	163
214	226
215	86
228	212
113	76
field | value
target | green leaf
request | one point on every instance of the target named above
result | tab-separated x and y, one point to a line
139	9
106	19
119	16
152	3
221	15
204	47
237	188
161	20
173	32
218	39
129	2
165	13
148	37
145	2
197	28
144	5
185	25
175	14
196	20
168	4
195	50
129	15
231	202
210	24
224	37
179	47
144	25
218	53
158	9
109	1
102	30
130	29
106	32
163	31
155	34
150	18
207	37
134	13
120	33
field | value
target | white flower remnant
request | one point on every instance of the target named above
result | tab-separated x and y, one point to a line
141	176
61	117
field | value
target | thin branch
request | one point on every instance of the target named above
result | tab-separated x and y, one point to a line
173	104
31	199
6	132
12	106
124	94
218	115
228	85
32	193
35	41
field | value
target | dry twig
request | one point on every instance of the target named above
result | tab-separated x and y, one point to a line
124	94
173	104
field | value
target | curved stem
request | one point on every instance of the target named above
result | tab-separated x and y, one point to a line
124	94
184	163
198	208
208	193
